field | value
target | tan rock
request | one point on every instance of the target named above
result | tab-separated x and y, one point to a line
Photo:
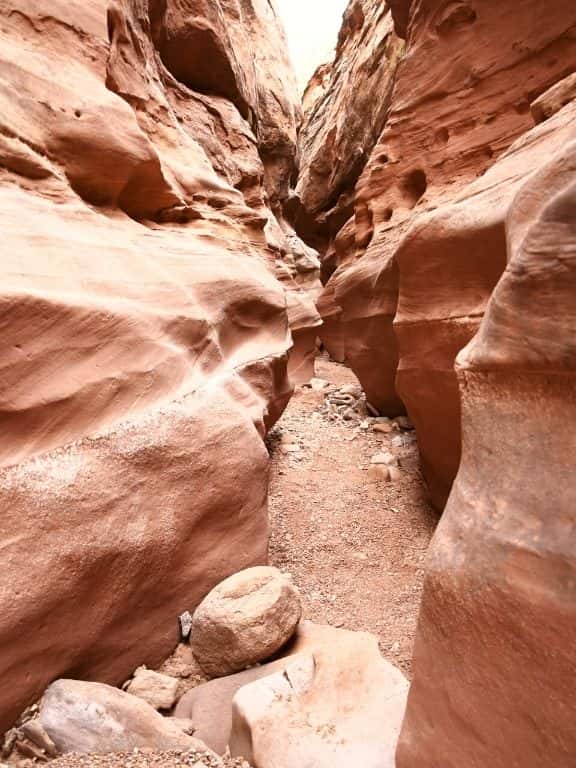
386	458
144	333
244	620
499	602
209	706
342	705
160	691
379	472
92	717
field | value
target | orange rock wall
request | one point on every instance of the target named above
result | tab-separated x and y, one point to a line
495	652
145	334
400	307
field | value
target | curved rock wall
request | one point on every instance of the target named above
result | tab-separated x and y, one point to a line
400	304
144	333
495	654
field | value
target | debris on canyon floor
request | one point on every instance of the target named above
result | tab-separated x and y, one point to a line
355	544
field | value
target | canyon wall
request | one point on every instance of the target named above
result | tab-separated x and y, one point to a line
495	655
146	150
409	292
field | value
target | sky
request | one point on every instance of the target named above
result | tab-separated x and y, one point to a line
312	28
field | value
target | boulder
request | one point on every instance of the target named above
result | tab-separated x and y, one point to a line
160	691
209	706
339	706
244	620
97	718
495	656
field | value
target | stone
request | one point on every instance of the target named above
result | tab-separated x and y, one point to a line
244	620
379	472
93	717
394	474
160	691
386	458
341	705
209	706
404	423
319	385
554	99
498	602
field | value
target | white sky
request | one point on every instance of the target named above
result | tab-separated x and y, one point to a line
312	28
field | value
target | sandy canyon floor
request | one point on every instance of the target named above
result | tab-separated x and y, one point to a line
355	547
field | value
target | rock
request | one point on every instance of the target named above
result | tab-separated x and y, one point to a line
35	732
244	620
555	98
383	429
386	458
341	705
93	717
351	389
404	423
160	691
210	705
498	601
394	474
319	385
144	330
379	472
404	290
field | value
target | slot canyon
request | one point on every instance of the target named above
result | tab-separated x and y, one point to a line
288	385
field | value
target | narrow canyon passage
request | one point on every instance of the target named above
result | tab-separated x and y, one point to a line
354	546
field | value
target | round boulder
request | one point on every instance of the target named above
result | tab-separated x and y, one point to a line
244	620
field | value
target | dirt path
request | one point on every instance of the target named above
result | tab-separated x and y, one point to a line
355	547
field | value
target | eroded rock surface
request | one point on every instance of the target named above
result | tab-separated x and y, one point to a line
144	333
341	705
495	654
398	311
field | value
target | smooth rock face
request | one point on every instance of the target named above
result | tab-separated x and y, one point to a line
160	691
96	718
398	311
144	332
495	657
341	705
244	620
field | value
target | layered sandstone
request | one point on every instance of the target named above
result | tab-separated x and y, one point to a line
347	104
400	310
145	334
495	654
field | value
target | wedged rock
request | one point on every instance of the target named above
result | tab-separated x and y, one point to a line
209	706
97	718
341	705
158	690
495	655
244	620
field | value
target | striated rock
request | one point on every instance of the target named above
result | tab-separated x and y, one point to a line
158	690
410	305
244	620
341	705
554	99
450	262
498	601
144	333
344	123
96	718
